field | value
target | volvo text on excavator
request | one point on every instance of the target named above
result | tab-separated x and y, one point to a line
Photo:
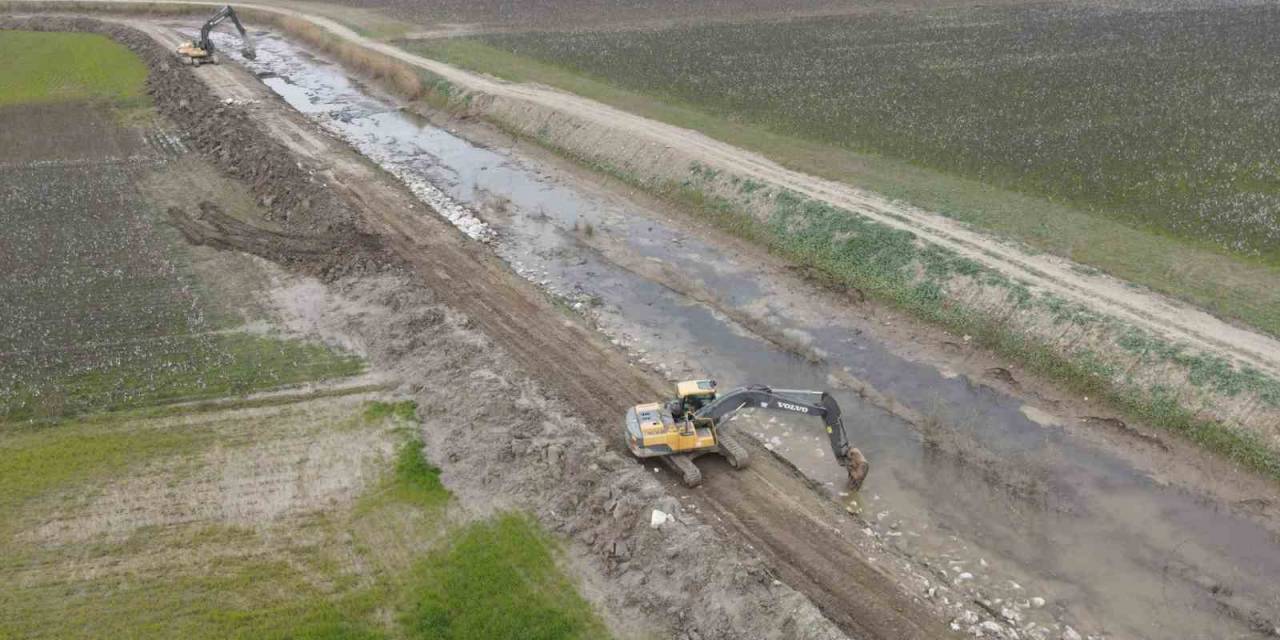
203	51
690	425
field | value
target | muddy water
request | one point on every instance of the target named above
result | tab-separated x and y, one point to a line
1003	508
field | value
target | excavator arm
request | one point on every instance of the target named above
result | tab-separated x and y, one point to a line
815	403
224	14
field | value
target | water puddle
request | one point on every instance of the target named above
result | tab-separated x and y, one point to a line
1000	504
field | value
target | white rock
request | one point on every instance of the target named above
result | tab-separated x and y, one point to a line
1037	602
1070	634
659	518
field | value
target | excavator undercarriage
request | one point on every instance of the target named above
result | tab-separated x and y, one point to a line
679	431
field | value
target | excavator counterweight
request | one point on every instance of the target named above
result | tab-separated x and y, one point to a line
689	426
203	51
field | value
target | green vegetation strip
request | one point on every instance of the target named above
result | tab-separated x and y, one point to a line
843	249
46	67
497	579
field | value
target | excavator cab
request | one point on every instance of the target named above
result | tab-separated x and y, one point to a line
692	395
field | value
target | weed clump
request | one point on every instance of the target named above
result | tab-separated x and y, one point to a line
406	410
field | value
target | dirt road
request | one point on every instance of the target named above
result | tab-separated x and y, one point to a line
807	540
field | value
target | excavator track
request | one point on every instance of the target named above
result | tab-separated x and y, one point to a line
732	450
683	464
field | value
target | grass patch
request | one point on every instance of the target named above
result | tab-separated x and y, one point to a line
496	580
36	460
414	482
1199	272
406	410
47	67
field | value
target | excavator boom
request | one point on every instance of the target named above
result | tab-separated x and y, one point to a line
815	403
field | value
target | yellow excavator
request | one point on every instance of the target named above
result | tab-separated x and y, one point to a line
679	430
203	51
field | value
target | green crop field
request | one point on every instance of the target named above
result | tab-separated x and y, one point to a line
41	67
1164	119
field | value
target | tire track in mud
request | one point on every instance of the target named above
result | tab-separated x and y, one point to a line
770	508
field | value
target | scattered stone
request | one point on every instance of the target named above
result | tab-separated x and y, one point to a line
659	518
991	627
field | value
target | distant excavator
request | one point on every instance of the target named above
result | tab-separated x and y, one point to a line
203	51
682	429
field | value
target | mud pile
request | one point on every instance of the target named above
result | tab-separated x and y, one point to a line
328	255
502	444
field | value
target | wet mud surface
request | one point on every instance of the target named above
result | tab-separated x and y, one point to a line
1007	516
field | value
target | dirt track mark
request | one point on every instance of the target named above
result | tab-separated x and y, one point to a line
320	253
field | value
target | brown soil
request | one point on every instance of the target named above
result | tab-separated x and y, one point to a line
57	132
583	492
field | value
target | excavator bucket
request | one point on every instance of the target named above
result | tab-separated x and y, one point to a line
858	468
